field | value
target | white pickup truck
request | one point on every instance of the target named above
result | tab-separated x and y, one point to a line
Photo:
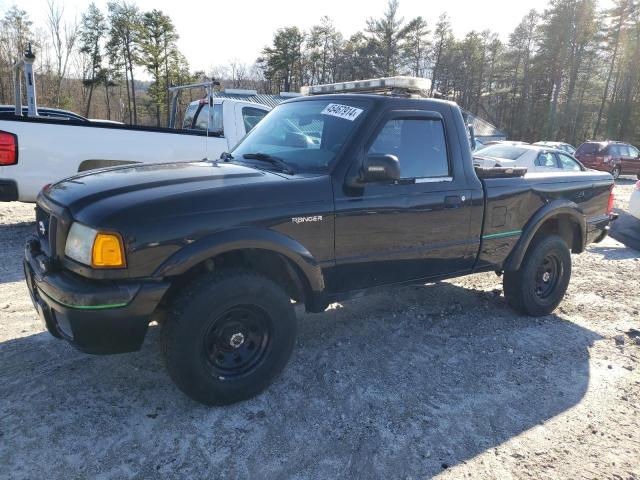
36	150
47	150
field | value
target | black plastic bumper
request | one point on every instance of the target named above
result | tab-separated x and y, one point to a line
95	317
597	230
8	190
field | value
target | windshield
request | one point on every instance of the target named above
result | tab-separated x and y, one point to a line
509	152
306	135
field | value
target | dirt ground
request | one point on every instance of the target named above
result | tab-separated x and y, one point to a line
438	380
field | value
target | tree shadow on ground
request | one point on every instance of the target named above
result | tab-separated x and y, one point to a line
388	386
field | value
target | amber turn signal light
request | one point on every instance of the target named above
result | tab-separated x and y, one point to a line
108	251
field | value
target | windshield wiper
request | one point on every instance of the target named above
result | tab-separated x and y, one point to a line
275	161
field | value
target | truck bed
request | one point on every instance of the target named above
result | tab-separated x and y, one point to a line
510	203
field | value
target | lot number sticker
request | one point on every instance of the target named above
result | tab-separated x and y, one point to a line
342	111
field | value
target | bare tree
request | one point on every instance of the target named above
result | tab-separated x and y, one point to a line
63	36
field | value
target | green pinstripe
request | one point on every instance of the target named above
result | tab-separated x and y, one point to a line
511	233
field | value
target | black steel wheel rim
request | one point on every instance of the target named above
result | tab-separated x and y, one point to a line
236	341
547	276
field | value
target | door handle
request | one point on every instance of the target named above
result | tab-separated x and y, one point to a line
580	194
453	201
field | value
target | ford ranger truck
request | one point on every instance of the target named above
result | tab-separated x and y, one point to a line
328	197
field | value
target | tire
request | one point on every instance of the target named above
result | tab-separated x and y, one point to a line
616	172
228	336
539	285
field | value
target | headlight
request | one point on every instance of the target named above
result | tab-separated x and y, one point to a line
97	249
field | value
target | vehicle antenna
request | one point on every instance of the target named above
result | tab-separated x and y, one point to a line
210	102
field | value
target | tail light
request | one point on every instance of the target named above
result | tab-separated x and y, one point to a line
610	204
8	149
637	187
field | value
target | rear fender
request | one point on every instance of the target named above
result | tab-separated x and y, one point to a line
560	207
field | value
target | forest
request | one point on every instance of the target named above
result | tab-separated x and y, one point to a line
567	73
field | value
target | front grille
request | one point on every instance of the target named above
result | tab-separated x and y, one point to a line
46	230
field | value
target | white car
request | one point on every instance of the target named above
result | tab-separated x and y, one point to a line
634	201
534	158
567	147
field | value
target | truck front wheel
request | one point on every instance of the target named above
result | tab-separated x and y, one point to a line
229	335
540	284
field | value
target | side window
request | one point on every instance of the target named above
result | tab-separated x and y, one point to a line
568	163
547	159
625	150
202	120
614	151
251	116
188	115
419	144
633	151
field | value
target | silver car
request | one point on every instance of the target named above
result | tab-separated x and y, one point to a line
534	158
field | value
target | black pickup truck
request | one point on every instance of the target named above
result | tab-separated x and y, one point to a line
328	197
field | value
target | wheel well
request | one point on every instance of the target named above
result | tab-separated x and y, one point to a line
566	227
267	263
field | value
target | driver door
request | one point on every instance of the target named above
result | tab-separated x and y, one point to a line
417	227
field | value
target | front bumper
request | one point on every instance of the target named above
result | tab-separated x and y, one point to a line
95	317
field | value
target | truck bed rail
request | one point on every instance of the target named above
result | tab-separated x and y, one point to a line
500	172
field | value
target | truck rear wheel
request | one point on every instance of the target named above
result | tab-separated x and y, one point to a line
229	335
540	284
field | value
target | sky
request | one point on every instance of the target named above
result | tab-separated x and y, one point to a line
214	32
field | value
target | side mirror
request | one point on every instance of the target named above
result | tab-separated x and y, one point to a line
381	168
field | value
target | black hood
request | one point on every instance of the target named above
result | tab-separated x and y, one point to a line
149	182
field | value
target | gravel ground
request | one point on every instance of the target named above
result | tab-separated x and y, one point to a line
437	380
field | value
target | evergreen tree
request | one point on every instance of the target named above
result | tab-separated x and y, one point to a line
122	48
92	29
387	35
415	48
156	43
282	62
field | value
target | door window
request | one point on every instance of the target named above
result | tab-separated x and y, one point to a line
614	151
547	159
568	163
189	114
633	152
202	119
251	116
419	144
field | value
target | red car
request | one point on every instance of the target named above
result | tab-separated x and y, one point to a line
617	158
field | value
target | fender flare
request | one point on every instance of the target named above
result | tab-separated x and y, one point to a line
550	210
240	239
